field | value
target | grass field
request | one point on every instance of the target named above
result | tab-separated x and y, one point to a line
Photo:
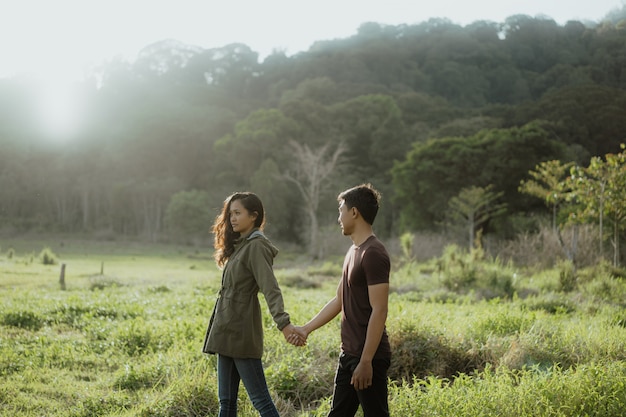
471	337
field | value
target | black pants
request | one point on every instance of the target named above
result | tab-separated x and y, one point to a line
346	399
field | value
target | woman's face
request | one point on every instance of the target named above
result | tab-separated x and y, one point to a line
241	220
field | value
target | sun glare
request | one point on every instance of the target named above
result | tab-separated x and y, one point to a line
60	111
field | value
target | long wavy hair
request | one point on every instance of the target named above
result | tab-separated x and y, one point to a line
225	237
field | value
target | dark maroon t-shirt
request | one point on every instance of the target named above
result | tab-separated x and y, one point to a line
367	264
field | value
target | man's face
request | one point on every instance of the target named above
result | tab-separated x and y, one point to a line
346	218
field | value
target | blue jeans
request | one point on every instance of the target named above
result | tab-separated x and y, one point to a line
232	370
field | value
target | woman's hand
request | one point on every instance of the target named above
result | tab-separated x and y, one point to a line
294	335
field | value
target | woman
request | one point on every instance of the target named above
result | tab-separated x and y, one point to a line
235	331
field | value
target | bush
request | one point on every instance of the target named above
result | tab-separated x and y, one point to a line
100	282
300	379
543	249
297	279
567	276
551	303
23	319
595	390
48	257
190	394
110	404
327	269
134	378
420	353
457	269
462	271
187	215
136	337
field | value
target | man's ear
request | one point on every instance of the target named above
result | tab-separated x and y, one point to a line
355	212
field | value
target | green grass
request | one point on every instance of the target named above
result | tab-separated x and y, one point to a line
127	342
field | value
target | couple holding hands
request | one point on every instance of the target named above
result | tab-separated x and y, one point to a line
235	331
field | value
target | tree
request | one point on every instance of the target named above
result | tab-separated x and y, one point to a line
435	171
616	201
547	184
552	186
373	131
309	170
279	198
474	206
187	214
601	192
261	135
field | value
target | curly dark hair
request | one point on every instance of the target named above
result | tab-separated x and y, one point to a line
225	237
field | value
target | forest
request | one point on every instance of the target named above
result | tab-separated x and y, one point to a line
491	129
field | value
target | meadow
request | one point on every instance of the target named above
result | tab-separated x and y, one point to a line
471	335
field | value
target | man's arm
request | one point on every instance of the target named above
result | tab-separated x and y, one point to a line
379	300
326	314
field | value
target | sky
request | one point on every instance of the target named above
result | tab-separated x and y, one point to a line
60	39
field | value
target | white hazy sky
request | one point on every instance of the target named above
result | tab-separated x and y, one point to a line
61	37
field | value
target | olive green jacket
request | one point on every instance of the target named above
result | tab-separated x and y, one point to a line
236	325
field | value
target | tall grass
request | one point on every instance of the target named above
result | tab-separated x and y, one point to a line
527	348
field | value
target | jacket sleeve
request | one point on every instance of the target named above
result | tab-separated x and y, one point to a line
261	263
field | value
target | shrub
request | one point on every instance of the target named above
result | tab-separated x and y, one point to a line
48	257
502	324
193	393
187	215
297	279
457	269
606	289
301	379
136	337
327	269
567	276
142	376
100	282
160	289
420	353
23	319
406	244
462	271
551	303
97	405
544	250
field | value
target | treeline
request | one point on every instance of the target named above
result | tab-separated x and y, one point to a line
422	111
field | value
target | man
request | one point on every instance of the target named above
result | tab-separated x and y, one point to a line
362	300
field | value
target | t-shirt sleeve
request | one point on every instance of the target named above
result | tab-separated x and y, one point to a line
376	265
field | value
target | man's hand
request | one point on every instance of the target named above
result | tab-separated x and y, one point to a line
362	376
294	335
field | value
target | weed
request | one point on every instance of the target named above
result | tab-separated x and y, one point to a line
100	282
132	348
135	377
23	319
48	257
567	276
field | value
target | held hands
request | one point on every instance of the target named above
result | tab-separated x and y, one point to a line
295	335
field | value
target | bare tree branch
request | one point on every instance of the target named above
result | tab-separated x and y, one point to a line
309	170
